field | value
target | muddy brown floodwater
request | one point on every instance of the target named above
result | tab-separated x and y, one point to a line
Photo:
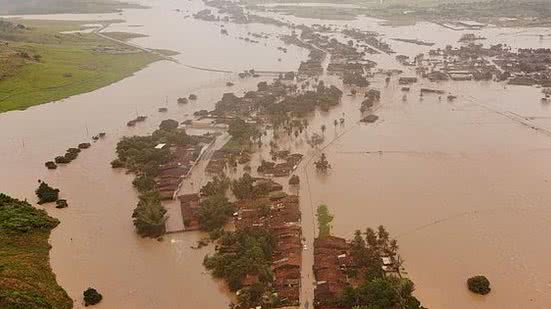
463	186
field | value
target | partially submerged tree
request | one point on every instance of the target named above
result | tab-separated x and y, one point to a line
322	164
479	285
324	221
91	297
217	186
46	194
294	180
150	216
243	187
215	212
168	125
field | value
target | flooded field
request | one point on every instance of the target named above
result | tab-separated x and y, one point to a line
463	185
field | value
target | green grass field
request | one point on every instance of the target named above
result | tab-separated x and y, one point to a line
17	7
26	279
39	64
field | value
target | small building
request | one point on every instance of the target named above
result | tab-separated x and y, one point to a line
160	146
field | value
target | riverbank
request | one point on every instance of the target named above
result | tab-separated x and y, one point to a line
8	7
47	61
26	279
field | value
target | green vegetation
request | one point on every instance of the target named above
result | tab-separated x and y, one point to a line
46	194
26	279
40	64
217	186
150	216
241	133
92	297
376	290
322	164
244	252
243	187
215	208
214	212
17	7
382	293
324	221
139	155
479	285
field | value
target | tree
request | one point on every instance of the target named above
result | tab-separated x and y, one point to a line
322	164
479	285
46	194
168	125
215	212
144	183
149	216
381	293
91	297
243	187
324	221
217	186
383	236
241	131
371	238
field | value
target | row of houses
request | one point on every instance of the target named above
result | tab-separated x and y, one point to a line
172	173
331	260
281	216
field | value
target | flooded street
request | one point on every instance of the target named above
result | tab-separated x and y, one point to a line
462	185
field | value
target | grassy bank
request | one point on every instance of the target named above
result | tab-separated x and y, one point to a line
26	279
39	63
18	7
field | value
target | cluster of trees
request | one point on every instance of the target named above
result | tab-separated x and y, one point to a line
214	212
46	194
355	79
479	285
245	188
322	164
150	216
371	97
139	155
215	208
377	290
242	131
381	293
324	221
91	297
324	97
241	253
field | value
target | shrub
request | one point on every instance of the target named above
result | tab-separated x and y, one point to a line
479	285
117	163
91	297
51	165
46	194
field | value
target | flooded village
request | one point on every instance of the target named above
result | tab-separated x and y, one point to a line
248	171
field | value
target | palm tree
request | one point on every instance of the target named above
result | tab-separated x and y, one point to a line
393	246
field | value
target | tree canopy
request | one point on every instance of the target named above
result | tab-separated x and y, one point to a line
324	221
150	216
